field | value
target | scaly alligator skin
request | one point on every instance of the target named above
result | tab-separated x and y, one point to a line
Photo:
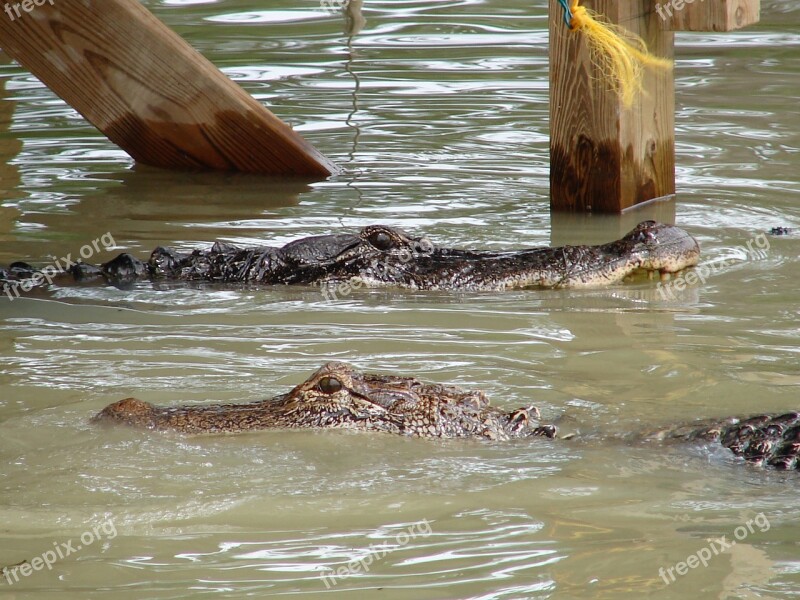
379	255
339	396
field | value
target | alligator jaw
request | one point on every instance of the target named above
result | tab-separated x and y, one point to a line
650	246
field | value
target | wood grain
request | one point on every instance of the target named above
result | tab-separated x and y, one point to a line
10	146
606	157
150	92
707	15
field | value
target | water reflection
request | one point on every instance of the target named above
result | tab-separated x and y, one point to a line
439	112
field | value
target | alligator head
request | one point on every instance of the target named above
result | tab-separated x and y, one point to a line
650	246
339	396
304	261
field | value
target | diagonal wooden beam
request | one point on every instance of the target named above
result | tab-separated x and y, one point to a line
149	91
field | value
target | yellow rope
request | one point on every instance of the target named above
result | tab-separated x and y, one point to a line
619	54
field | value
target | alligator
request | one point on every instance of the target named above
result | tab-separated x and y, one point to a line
781	231
338	396
379	255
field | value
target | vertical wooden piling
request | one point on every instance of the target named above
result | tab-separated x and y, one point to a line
606	157
149	91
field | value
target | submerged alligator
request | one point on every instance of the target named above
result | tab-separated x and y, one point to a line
379	255
341	397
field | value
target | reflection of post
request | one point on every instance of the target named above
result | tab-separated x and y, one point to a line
354	19
145	207
588	228
10	146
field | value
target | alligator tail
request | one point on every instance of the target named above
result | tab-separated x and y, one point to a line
764	440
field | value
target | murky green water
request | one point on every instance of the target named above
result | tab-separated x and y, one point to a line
438	111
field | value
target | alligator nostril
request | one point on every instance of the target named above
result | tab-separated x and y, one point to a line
645	236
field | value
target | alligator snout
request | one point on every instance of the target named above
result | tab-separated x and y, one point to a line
666	248
129	411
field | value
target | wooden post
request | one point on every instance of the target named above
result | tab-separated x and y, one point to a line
149	91
707	15
606	157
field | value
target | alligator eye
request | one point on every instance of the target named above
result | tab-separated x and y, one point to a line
329	385
381	240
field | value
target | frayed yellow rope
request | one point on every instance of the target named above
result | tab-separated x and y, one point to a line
619	54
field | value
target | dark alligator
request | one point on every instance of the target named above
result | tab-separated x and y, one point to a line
379	255
781	231
339	396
